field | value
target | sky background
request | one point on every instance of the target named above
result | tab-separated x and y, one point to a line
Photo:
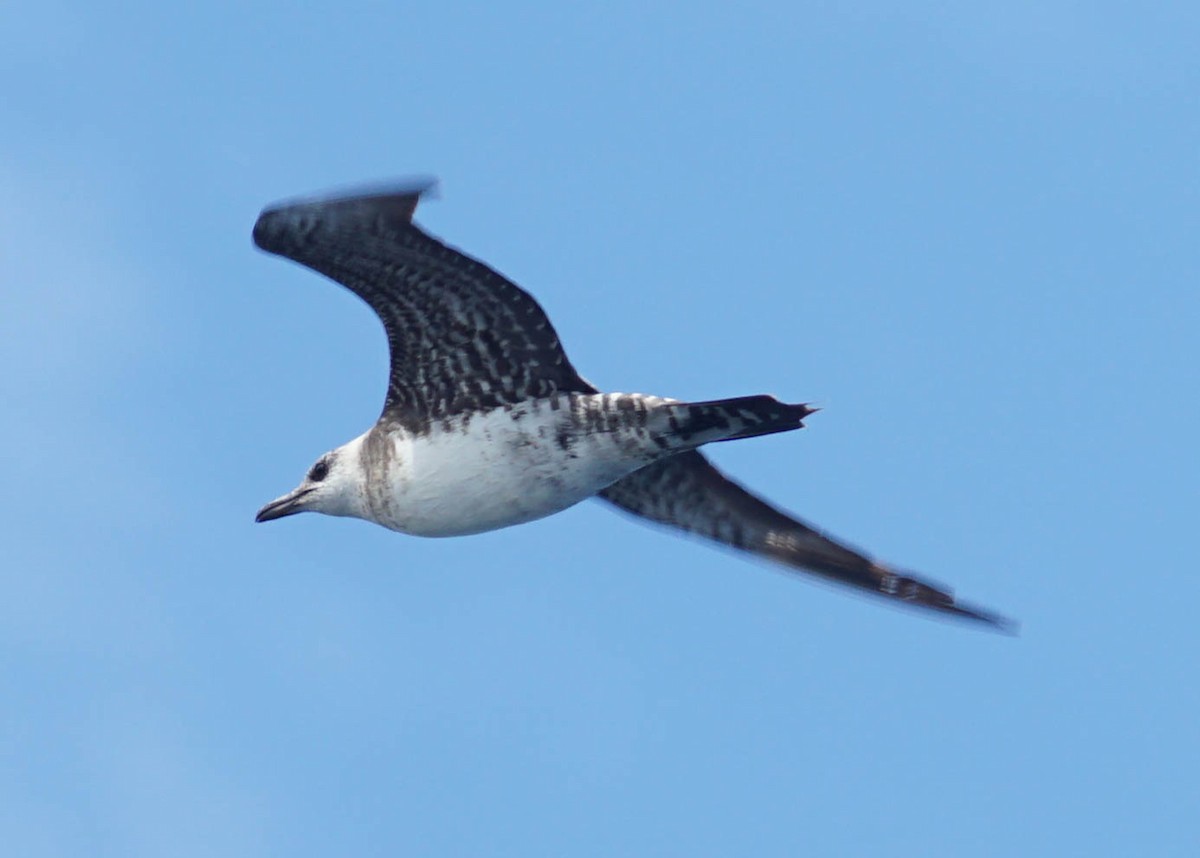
970	235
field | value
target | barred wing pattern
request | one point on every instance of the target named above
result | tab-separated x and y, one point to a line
687	492
462	337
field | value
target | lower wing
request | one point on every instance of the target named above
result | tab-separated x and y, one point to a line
687	492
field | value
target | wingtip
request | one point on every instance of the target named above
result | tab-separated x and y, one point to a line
395	199
419	185
921	593
990	619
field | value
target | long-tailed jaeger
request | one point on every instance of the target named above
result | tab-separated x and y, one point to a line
487	424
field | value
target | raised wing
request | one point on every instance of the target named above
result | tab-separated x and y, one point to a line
687	492
462	337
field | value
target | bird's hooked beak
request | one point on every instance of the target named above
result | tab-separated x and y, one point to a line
289	504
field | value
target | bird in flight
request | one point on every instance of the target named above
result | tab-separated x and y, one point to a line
486	423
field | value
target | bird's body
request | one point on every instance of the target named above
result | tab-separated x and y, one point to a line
516	463
487	424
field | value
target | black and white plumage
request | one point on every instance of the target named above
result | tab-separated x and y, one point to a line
487	424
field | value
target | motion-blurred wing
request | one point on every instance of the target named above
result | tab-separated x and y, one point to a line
462	337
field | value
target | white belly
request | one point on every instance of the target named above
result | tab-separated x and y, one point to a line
505	468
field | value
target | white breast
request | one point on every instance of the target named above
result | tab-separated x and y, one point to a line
496	469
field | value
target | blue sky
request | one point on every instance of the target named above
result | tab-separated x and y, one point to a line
970	235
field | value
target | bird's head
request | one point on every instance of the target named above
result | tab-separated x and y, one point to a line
331	486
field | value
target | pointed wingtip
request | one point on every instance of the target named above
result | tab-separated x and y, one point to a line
990	619
920	593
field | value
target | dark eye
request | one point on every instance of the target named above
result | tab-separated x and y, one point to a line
319	471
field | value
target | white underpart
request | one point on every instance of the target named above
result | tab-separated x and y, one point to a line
506	468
